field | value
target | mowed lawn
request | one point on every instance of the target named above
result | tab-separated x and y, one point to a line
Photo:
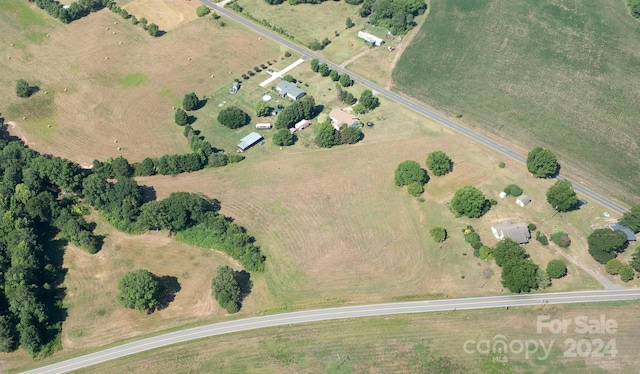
106	87
562	74
422	343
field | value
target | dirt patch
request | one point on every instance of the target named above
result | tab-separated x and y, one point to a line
168	14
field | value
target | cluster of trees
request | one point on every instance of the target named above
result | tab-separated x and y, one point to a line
542	163
283	138
152	28
471	202
229	287
605	244
631	219
316	45
327	136
38	203
472	237
75	11
305	108
397	15
23	89
410	174
519	273
366	102
617	267
234	117
439	163
202	10
634	7
561	196
324	70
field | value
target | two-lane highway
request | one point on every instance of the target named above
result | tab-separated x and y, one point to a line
305	53
452	305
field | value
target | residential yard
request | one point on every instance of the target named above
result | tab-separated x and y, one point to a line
561	74
87	102
409	343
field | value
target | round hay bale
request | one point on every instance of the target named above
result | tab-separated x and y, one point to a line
120	43
46	92
189	58
47	35
9	58
65	90
48	126
107	28
119	148
115	141
106	58
115	23
24	117
12	44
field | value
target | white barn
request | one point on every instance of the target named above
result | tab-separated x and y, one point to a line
370	38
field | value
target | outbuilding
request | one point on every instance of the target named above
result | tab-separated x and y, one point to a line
523	200
248	141
235	87
370	38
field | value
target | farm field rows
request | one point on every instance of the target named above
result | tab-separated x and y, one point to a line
562	74
416	343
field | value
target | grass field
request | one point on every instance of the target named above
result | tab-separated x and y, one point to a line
86	102
400	344
562	74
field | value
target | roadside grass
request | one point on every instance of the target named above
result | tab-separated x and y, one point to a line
407	343
92	109
561	75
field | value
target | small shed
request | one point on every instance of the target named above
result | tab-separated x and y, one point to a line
263	125
248	141
523	200
303	124
235	87
503	195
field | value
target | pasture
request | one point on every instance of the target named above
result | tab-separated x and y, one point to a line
562	74
106	87
411	343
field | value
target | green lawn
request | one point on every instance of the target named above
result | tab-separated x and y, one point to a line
562	74
133	80
24	15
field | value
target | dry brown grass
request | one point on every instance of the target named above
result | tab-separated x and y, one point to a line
83	122
168	14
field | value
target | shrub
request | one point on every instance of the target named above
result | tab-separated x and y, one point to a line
289	78
556	269
561	238
415	189
438	233
613	266
532	227
513	190
485	253
202	10
218	159
626	273
283	137
542	238
287	54
22	88
501	165
234	157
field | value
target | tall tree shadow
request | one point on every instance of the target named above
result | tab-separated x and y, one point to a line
244	282
169	287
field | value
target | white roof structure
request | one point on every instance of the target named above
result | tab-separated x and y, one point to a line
370	38
249	140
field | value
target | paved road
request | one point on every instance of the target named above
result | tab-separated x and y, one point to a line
408	102
337	313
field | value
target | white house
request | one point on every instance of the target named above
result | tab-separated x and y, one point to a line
370	38
518	232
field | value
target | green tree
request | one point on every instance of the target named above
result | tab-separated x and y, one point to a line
410	171
233	117
308	106
289	78
324	69
605	243
22	88
508	251
561	196
438	233
635	259
626	273
415	188
315	65
631	219
180	117
613	266
513	190
121	168
153	30
345	80
190	101
283	137
139	290
439	163
471	202
334	75
226	290
202	10
350	134
359	108
7	335
349	23
368	100
556	269
520	276
542	163
262	109
326	135
218	159
542	279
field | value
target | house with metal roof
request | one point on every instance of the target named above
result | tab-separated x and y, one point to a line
248	141
631	236
518	232
290	90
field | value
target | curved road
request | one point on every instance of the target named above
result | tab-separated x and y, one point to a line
336	313
306	54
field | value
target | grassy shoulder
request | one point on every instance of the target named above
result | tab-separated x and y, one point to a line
559	75
437	342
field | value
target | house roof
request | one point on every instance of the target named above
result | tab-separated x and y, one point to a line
289	89
370	37
524	199
339	116
302	124
518	232
249	140
630	234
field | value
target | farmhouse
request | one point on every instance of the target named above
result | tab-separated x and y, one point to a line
523	200
290	90
370	38
248	141
235	87
518	232
339	116
631	236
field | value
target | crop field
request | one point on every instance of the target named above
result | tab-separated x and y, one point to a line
562	74
106	87
404	344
